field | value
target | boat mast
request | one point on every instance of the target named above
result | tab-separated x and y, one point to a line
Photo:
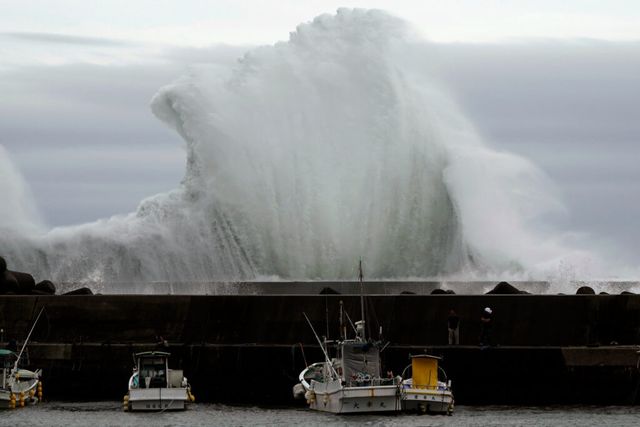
15	366
362	299
324	351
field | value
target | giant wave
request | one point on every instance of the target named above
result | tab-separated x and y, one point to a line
307	155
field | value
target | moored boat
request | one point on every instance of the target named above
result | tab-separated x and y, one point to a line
155	387
428	390
19	387
351	382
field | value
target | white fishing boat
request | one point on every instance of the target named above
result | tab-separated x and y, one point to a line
428	390
351	382
19	387
155	387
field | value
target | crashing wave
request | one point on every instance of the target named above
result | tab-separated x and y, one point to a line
309	154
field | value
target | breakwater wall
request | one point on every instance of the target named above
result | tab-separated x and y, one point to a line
250	348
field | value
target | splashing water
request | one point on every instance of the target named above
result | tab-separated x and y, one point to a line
307	155
17	209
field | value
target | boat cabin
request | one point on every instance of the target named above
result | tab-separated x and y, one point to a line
153	386
153	369
7	360
426	372
360	363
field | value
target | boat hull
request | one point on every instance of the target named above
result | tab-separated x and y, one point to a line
427	401
351	400
24	389
5	399
158	399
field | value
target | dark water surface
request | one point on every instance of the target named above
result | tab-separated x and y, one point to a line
97	414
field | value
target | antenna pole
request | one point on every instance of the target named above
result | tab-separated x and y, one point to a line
351	323
343	328
326	315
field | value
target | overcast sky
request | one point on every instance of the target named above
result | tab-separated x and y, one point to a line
557	82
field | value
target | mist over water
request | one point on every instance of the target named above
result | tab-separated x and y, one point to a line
307	155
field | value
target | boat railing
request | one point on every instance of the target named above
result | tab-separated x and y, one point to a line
439	387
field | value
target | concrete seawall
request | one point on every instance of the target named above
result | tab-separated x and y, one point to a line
250	348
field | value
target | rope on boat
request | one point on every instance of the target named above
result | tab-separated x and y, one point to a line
303	355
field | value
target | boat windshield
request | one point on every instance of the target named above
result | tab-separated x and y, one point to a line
7	359
315	372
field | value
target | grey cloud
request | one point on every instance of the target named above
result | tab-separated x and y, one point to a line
573	108
217	54
585	90
82	104
85	140
67	39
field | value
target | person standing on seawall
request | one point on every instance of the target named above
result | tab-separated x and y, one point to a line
485	326
453	324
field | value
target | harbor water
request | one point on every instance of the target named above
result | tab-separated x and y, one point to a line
98	414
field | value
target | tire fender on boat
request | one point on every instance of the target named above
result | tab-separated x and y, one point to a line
311	396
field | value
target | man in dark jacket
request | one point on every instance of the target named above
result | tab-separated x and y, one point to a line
485	326
453	324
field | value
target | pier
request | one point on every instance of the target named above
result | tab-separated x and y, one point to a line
547	349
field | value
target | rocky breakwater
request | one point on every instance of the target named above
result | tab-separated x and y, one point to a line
20	283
